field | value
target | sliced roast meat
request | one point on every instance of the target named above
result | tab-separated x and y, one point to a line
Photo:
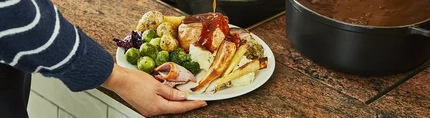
173	74
169	83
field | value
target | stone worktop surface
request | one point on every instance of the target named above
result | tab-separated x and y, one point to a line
298	87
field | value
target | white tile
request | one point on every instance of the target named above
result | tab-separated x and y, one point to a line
112	113
39	107
63	114
79	104
115	104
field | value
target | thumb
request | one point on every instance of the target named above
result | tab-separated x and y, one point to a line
172	94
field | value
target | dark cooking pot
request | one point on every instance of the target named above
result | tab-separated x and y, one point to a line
242	13
356	49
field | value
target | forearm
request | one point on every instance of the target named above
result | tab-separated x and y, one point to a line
116	79
122	79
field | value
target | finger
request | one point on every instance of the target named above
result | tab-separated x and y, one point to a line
172	94
183	106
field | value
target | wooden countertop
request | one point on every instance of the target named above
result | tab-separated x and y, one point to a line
298	87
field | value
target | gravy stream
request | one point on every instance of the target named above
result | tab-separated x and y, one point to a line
214	5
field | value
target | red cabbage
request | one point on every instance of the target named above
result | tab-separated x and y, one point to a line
132	40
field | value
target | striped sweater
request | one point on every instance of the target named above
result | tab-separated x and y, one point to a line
36	38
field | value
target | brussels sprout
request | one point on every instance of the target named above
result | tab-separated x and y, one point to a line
132	55
156	42
162	57
146	64
147	35
148	50
168	43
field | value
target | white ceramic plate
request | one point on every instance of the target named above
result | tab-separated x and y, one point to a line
261	77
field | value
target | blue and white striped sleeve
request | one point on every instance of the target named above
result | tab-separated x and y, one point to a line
35	37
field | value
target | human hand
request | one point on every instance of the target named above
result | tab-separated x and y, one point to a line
148	95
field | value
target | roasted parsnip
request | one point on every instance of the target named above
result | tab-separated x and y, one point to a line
222	60
236	59
249	67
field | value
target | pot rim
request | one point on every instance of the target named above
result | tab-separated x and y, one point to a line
295	3
229	3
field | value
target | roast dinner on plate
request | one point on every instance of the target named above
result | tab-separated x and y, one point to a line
174	49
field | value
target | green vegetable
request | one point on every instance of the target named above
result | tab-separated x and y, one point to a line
192	66
156	42
179	56
148	50
147	35
146	64
162	57
132	55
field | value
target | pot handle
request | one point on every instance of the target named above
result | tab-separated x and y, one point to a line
420	31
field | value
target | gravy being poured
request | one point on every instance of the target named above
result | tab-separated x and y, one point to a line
214	6
372	12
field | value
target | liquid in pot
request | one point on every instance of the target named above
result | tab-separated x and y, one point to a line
372	12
